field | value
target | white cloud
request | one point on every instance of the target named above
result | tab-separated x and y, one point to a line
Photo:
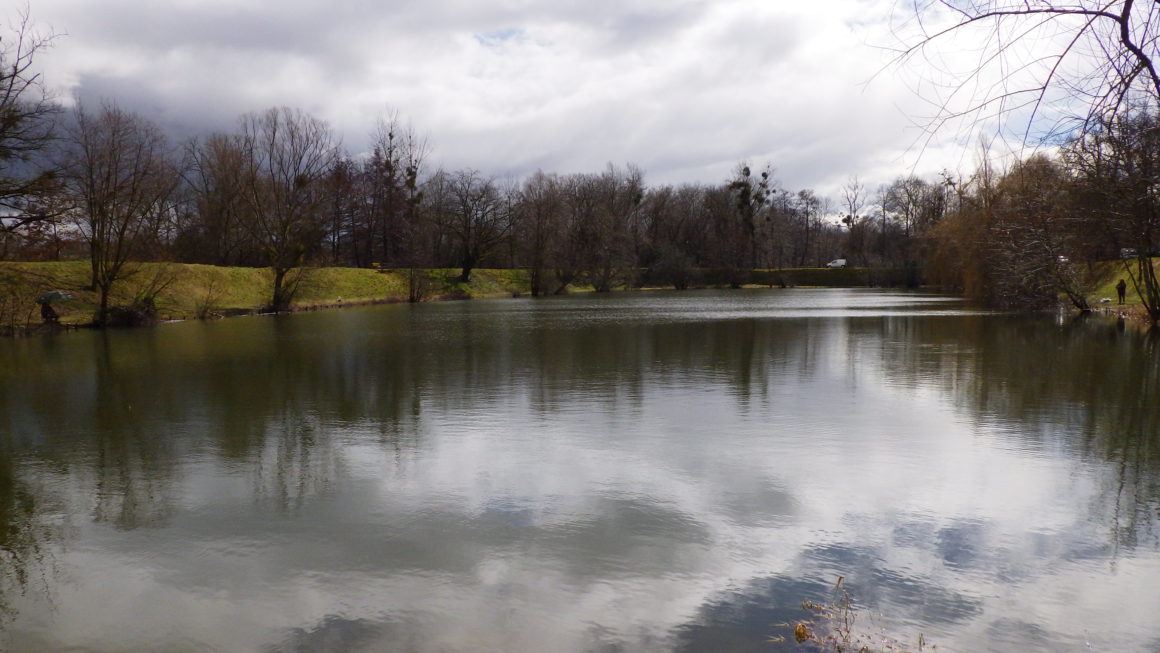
684	89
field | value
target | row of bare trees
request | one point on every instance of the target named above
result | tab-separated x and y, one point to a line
1078	74
125	193
1060	225
279	192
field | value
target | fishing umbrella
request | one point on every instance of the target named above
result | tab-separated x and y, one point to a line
54	296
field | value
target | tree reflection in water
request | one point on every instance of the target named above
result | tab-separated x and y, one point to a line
169	431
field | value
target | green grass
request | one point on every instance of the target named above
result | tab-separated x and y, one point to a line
326	286
187	291
1110	272
190	291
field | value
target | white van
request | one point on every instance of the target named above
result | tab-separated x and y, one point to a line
837	263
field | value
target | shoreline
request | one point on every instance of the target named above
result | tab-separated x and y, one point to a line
183	292
154	293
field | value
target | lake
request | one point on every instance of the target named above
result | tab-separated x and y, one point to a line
669	471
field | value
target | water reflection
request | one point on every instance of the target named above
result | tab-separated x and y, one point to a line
643	472
25	535
1082	389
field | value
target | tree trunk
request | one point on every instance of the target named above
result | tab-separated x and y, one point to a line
468	265
280	301
102	316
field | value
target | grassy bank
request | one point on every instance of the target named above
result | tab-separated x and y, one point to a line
187	291
1110	272
1102	296
183	291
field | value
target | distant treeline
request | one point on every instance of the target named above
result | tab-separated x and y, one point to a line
105	184
280	193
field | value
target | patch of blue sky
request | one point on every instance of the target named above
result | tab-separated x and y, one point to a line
499	37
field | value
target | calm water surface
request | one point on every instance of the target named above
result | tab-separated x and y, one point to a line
635	472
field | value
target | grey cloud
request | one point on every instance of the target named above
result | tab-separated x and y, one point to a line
313	27
685	89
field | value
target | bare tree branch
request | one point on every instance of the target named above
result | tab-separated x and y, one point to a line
28	117
1043	65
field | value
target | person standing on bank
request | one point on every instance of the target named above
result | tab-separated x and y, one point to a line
1121	290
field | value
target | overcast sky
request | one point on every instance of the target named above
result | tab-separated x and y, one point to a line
685	89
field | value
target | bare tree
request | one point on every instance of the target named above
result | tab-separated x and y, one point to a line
471	215
343	210
676	233
1117	174
121	175
751	196
618	195
27	127
734	212
854	197
600	214
538	226
910	201
808	214
288	155
1030	240
1041	64
857	225
393	188
215	182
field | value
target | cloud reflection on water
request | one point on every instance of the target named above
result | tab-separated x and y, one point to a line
505	476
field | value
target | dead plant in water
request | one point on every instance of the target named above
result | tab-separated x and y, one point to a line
206	306
418	285
833	627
